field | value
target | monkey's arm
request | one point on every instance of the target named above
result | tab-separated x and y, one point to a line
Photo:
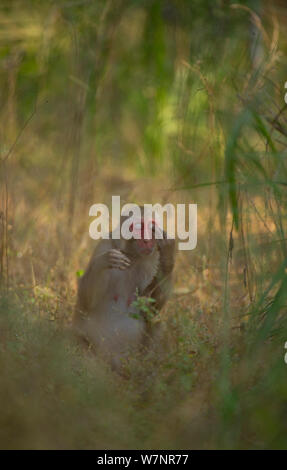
95	279
161	285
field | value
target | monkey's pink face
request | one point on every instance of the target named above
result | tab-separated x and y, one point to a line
145	246
145	240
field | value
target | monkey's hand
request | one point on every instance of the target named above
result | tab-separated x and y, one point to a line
117	260
166	248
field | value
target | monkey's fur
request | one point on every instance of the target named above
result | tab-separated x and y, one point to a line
107	313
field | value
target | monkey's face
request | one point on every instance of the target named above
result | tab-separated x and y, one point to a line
144	247
143	243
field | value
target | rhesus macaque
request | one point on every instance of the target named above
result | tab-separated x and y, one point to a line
108	314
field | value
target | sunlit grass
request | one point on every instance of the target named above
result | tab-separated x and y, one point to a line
154	107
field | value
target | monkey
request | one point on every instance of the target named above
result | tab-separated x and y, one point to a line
107	315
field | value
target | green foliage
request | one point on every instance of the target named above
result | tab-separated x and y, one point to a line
145	306
97	98
47	385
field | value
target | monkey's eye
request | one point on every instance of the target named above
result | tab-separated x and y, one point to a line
139	226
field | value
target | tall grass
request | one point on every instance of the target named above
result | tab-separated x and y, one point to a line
154	101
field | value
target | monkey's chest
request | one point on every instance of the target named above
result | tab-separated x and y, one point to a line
115	328
120	326
133	281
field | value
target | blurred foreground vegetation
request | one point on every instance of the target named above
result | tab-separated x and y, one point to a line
155	101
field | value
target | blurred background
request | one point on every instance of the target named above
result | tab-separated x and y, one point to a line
156	101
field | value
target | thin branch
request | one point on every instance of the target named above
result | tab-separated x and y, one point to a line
10	151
